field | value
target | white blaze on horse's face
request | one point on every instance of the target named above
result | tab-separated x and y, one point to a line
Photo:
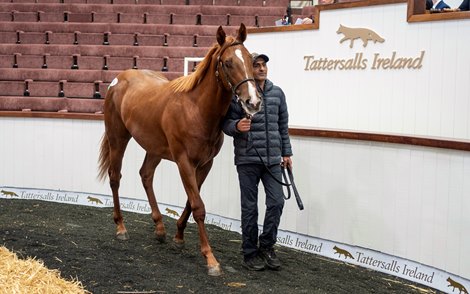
253	100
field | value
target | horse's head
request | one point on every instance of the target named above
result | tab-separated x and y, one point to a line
235	63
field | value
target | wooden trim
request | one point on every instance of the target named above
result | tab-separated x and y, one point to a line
463	145
289	28
411	10
439	16
417	13
353	4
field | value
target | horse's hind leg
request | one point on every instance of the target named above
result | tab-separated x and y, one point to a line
147	172
116	155
181	225
118	137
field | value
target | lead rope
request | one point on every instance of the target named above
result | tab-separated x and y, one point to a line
288	183
294	188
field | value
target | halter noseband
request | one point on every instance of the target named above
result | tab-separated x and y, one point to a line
219	63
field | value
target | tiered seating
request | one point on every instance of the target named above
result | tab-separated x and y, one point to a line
61	55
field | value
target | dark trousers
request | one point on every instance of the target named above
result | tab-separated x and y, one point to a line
249	176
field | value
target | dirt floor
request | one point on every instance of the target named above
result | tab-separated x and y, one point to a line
79	242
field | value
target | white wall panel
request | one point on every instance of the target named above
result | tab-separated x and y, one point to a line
406	201
431	101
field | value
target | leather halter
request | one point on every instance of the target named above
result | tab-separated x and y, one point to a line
220	64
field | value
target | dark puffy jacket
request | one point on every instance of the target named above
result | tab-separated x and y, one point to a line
268	133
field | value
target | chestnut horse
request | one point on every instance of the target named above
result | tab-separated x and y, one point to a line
177	120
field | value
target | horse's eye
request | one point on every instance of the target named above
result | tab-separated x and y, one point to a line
228	63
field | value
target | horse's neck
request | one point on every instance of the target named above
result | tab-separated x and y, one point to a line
212	99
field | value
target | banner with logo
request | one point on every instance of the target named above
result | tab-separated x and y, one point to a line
371	259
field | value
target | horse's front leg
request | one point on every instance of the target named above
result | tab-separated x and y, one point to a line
201	175
189	178
147	172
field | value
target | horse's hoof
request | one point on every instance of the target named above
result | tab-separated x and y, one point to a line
215	270
161	238
179	244
122	236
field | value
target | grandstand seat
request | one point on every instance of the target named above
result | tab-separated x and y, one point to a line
61	55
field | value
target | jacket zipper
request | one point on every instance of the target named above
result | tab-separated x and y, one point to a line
266	129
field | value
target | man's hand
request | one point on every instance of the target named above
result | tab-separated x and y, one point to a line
244	125
287	162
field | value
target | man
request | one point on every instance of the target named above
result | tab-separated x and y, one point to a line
464	6
436	4
261	143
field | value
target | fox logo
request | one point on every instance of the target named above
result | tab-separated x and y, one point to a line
94	200
457	285
352	34
171	212
340	252
9	193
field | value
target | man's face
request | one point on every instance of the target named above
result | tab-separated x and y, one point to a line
260	69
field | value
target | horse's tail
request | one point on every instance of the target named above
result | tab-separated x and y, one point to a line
104	161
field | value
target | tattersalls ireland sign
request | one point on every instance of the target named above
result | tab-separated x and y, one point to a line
359	61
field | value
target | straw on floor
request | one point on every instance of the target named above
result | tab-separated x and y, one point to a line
31	276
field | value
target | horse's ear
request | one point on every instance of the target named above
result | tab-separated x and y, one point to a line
221	36
241	33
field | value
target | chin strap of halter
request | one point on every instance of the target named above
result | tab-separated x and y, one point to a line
221	65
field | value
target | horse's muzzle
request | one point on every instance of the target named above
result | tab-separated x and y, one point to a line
251	107
254	103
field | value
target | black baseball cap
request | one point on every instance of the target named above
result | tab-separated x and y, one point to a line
255	56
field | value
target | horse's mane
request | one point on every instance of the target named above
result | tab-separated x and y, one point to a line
187	83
